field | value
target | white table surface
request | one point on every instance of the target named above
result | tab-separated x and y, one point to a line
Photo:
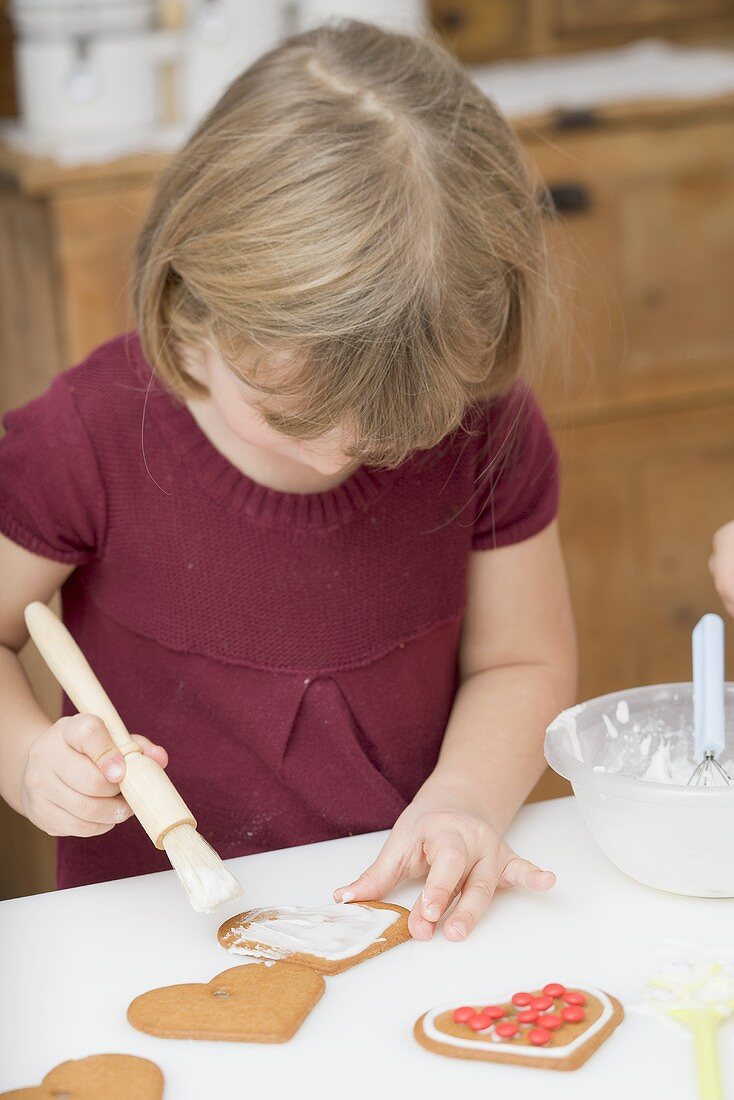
72	961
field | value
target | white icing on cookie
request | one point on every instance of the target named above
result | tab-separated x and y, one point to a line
432	1032
331	932
257	962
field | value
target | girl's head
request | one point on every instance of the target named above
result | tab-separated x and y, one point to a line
351	235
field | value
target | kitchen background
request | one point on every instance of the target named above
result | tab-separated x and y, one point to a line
625	107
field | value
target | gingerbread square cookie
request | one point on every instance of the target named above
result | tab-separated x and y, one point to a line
112	1076
551	1028
259	1003
327	939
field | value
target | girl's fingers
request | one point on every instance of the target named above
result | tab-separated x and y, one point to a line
418	926
379	879
155	752
476	894
79	773
447	857
88	735
58	822
92	811
519	872
479	888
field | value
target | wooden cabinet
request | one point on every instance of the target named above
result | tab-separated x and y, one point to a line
645	255
601	16
641	497
66	241
640	380
94	236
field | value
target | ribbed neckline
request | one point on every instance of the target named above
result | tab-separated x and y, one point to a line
240	495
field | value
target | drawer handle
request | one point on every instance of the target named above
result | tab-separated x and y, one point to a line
575	118
453	19
565	198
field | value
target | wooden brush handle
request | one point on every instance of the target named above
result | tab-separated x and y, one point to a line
152	797
71	668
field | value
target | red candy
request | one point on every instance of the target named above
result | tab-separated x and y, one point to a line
574	998
550	1023
574	1014
479	1022
522	1000
461	1015
541	1003
554	990
507	1030
539	1036
528	1016
495	1012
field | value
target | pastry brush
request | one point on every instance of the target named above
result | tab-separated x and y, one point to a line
147	789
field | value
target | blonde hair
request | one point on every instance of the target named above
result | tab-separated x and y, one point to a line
355	200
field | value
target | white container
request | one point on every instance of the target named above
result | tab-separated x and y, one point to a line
221	40
408	16
60	18
670	836
89	68
110	86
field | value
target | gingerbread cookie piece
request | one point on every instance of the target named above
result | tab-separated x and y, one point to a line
259	1003
328	939
112	1076
552	1028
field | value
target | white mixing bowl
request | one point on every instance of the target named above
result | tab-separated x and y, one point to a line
668	835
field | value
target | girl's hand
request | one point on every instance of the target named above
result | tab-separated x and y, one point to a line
72	775
721	565
461	853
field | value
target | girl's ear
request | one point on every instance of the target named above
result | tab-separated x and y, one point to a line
194	362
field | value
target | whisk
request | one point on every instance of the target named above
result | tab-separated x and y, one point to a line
709	731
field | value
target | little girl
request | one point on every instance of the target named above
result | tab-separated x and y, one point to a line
302	517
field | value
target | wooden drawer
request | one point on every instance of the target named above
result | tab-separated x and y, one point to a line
484	30
95	239
638	16
477	31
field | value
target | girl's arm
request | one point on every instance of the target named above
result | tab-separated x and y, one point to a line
518	670
63	776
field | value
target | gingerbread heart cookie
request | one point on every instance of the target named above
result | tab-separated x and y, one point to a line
551	1028
329	939
258	1003
108	1076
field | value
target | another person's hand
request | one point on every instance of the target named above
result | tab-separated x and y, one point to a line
461	853
721	565
72	776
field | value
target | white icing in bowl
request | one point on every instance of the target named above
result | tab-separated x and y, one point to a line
628	756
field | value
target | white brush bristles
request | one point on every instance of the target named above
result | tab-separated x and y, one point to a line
203	876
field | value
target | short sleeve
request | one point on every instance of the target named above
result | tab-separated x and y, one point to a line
518	472
52	499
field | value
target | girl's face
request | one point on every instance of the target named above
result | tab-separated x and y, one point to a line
236	403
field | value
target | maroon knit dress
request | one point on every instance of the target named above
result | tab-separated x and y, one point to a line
296	654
